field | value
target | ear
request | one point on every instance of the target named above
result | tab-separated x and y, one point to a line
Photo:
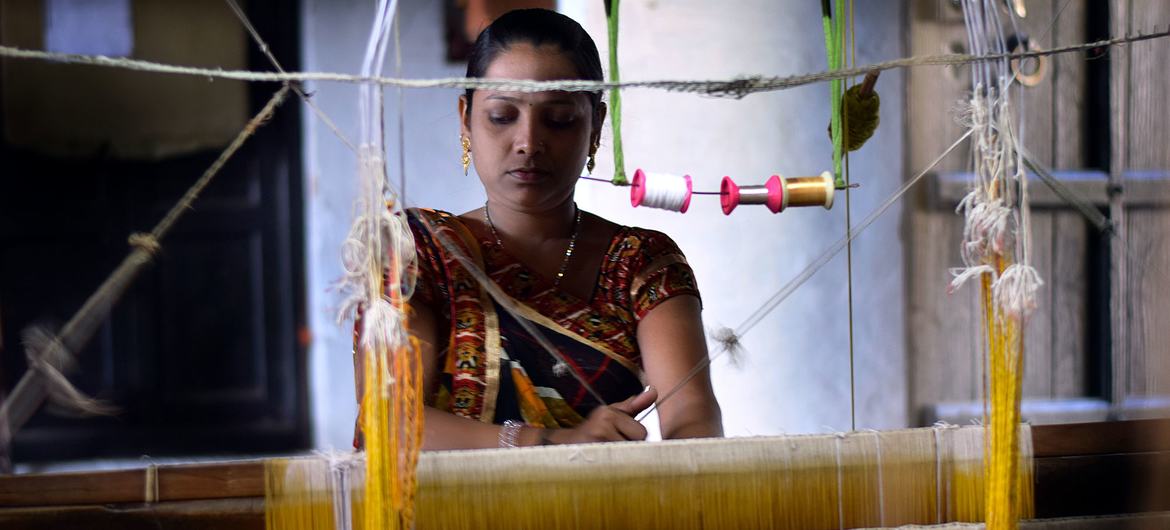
464	118
598	122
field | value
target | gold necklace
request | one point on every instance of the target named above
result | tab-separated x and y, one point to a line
568	250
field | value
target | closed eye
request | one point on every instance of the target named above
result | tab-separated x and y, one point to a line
561	122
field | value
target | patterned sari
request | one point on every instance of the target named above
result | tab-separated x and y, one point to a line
493	370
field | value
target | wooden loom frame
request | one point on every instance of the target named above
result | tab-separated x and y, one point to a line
1080	470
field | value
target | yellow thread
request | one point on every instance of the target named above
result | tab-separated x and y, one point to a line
298	495
392	424
795	482
150	495
1008	498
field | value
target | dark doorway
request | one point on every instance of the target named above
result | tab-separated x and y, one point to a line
202	355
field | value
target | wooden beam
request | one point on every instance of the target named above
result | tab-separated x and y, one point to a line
1142	188
175	482
1089	439
220	514
246	478
1074	486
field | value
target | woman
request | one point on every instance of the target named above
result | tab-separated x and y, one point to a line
619	303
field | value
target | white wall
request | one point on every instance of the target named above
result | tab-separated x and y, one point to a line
795	376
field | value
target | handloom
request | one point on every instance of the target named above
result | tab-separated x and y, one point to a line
845	480
1077	470
852	468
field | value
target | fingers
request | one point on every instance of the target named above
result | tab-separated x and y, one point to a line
620	416
629	429
635	404
612	423
607	424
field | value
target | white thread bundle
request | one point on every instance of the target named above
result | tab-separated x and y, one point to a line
663	191
1015	290
997	213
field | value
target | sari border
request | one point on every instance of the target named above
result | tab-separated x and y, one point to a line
491	321
653	268
493	350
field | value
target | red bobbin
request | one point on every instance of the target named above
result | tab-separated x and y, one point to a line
770	194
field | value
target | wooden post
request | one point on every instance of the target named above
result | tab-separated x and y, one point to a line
1118	161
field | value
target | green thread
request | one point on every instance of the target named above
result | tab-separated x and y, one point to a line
615	97
833	30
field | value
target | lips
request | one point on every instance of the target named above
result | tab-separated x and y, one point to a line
528	174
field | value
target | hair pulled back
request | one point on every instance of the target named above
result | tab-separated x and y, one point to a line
536	27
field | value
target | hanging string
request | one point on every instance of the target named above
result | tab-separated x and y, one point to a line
832	26
837	147
615	95
736	88
379	278
662	191
401	115
996	244
276	64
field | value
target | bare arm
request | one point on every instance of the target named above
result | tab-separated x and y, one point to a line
671	339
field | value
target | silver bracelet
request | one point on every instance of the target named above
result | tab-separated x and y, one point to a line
510	432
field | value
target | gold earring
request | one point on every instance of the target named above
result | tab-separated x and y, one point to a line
466	159
592	159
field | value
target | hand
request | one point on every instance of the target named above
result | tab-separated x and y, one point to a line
611	423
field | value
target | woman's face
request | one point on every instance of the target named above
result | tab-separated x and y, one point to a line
529	148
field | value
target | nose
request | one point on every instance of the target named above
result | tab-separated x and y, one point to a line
529	137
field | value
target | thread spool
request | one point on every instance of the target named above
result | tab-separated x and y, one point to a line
862	107
658	190
770	194
810	191
779	193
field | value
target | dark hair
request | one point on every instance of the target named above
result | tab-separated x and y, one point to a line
536	27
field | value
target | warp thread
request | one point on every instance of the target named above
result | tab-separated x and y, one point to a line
806	481
997	236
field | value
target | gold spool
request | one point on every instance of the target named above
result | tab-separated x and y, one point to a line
809	191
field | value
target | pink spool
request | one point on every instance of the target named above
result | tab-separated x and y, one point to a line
638	192
770	194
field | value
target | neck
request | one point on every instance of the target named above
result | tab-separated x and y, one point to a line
533	227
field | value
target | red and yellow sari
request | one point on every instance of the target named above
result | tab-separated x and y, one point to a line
493	370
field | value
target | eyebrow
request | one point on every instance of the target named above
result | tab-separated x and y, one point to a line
513	99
